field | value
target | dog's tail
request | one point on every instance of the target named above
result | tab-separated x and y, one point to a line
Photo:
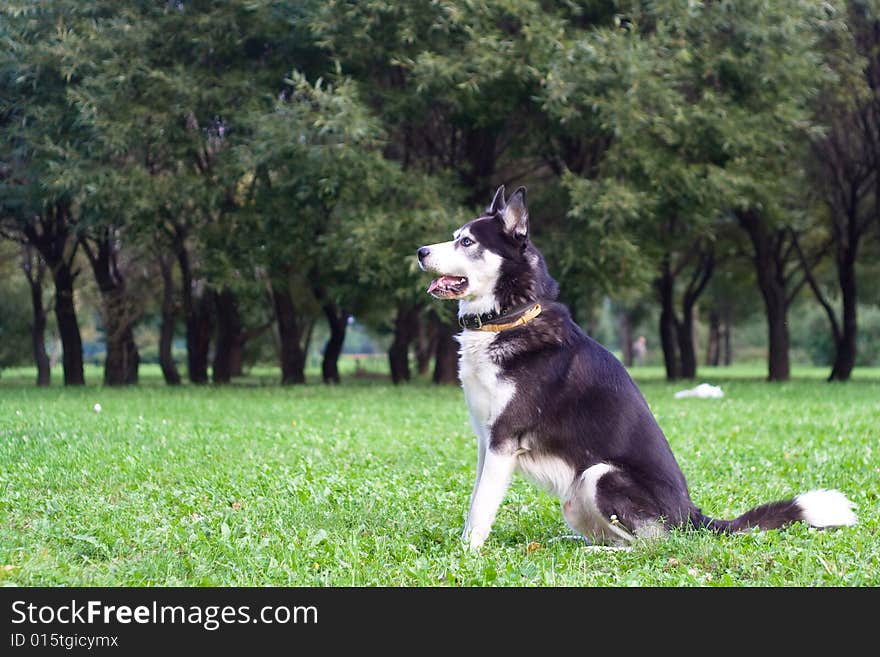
817	508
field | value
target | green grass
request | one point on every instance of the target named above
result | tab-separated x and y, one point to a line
366	484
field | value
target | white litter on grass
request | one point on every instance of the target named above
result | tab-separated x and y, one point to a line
703	391
97	408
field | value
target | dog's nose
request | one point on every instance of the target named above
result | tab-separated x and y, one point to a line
423	253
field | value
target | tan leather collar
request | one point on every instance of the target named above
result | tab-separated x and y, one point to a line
526	317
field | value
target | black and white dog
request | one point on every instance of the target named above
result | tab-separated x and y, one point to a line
547	400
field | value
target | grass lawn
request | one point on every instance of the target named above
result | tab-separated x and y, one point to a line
367	484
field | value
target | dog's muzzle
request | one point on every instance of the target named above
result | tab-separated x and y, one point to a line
423	253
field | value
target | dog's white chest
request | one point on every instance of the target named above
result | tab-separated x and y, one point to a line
486	391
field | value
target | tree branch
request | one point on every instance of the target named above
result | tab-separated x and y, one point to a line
814	286
817	257
84	241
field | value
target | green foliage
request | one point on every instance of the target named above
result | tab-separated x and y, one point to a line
37	121
322	142
465	61
307	154
15	321
704	106
318	197
383	240
810	332
604	216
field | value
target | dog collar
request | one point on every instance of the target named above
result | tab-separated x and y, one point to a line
484	322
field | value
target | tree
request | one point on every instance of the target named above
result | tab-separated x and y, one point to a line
51	233
311	156
451	84
729	299
168	318
119	313
647	186
847	171
774	86
34	269
166	91
36	116
707	106
381	242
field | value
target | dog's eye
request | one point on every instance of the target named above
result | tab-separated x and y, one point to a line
466	241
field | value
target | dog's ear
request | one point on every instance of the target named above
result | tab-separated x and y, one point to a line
516	214
497	203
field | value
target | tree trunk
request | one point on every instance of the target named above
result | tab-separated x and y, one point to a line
686	348
687	333
726	330
446	362
68	327
771	281
197	306
227	351
130	359
231	338
405	329
35	270
713	348
292	356
186	295
426	346
38	338
337	320
480	145
398	360
666	289
236	356
199	327
626	338
50	234
777	328
845	345
122	358
844	333
166	330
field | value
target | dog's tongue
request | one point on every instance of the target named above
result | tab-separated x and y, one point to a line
442	282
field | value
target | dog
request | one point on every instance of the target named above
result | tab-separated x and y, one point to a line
550	402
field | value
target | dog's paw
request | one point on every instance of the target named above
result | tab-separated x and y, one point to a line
477	538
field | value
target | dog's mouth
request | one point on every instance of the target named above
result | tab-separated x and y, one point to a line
448	287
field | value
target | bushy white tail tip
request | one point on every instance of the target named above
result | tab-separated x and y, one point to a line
826	508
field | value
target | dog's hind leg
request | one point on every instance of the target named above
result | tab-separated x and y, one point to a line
608	506
498	466
628	504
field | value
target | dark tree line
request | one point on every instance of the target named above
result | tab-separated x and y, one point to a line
263	166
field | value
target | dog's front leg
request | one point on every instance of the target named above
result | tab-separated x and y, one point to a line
482	445
498	466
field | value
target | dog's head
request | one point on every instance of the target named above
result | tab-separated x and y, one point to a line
490	264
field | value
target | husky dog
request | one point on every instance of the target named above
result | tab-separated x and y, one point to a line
547	400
